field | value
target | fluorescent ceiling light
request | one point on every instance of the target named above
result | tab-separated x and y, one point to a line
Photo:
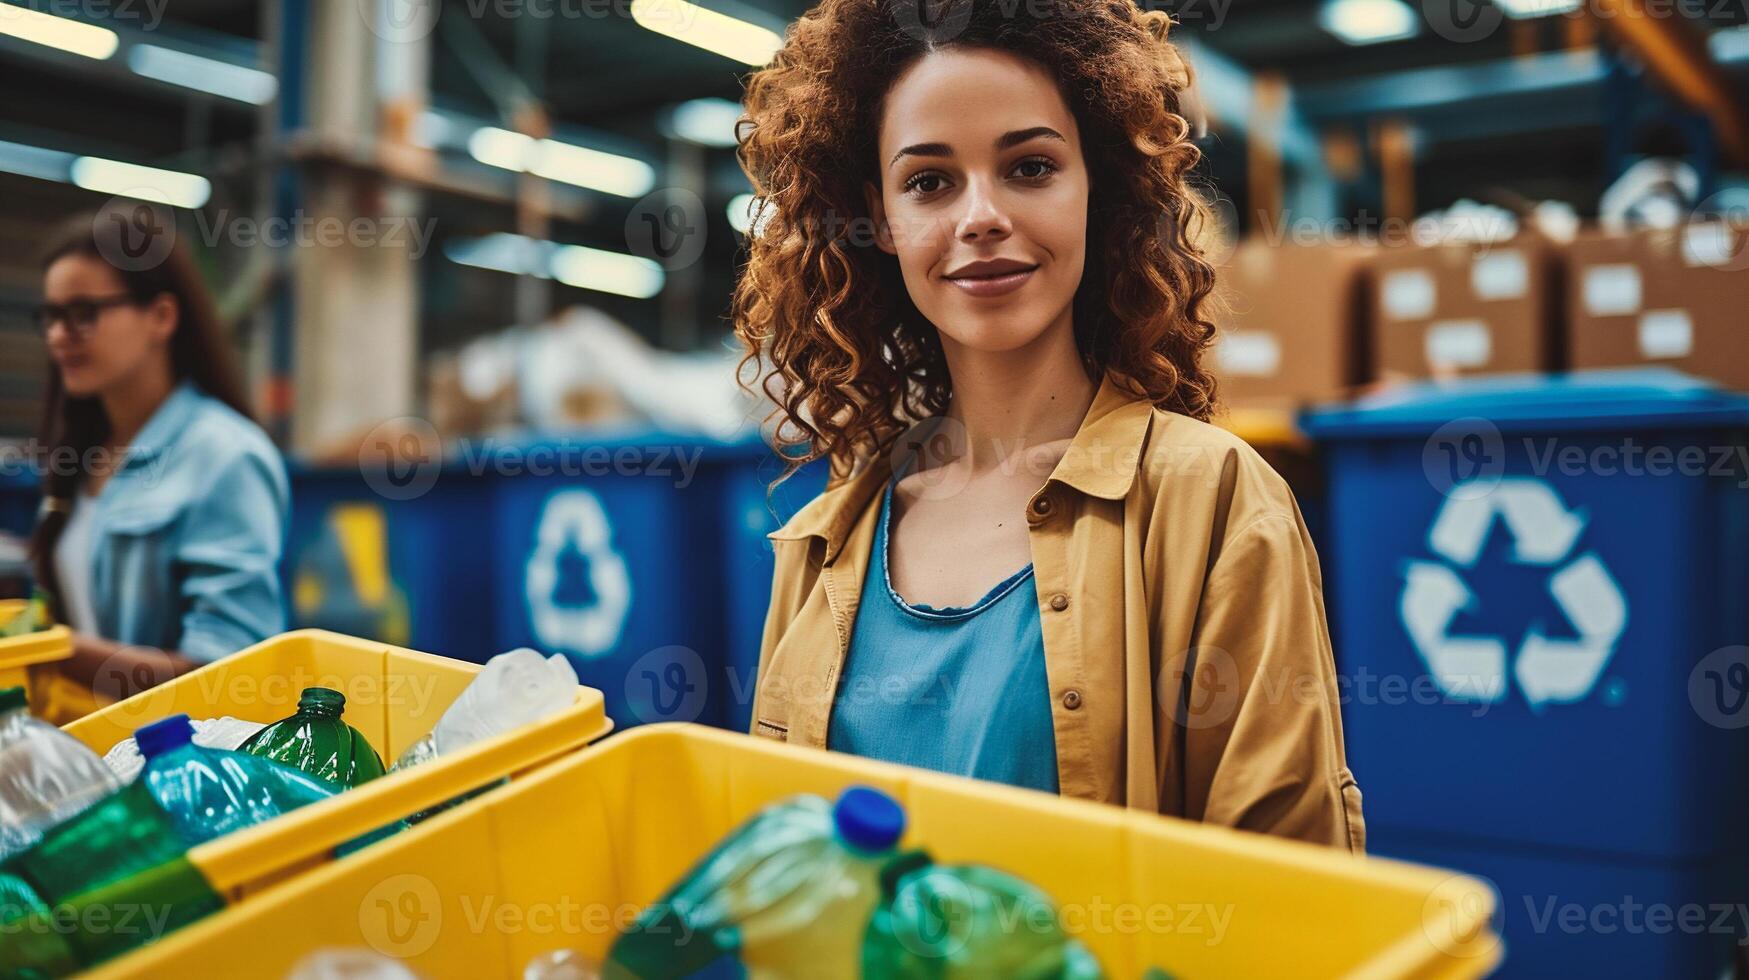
1369	21
145	183
566	162
707	29
432	129
710	122
60	33
573	265
34	161
203	74
515	254
608	272
741	215
1525	9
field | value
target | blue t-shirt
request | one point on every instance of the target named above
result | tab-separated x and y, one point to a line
957	690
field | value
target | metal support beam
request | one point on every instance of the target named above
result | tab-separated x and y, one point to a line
1677	54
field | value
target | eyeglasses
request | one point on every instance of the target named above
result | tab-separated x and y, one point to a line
80	315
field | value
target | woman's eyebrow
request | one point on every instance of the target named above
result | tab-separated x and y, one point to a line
1006	140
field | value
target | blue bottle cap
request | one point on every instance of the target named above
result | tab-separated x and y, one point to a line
868	819
164	736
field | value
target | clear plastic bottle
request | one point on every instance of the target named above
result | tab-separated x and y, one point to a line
46	775
209	793
512	690
790	894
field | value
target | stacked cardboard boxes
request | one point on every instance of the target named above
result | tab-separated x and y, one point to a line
1289	319
1467	308
1674	296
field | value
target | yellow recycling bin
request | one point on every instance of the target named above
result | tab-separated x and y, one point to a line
565	858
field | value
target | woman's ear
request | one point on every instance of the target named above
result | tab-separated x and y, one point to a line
164	312
877	210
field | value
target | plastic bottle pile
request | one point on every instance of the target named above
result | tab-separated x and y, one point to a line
82	839
818	890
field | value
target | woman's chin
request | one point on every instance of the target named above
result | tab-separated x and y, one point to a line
993	334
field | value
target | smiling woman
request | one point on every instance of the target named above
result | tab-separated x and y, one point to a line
975	291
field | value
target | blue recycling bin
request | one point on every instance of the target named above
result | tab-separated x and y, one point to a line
1539	613
397	561
752	509
610	551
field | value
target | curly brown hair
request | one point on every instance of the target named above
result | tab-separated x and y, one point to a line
827	322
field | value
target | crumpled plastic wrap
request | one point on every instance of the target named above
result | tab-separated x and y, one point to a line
125	761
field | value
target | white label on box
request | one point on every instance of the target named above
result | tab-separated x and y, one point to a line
1666	333
1611	290
1459	344
1500	275
1408	294
1706	243
1249	353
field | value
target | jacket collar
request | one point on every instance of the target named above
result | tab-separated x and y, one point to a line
165	425
1101	461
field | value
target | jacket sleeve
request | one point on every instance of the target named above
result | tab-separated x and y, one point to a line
1262	726
228	556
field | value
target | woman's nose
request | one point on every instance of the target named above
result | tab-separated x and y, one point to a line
983	217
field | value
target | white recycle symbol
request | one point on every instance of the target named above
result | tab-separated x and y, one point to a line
1543	533
576	518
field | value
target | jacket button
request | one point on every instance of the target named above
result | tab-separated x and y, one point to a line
1072	700
1042	506
1059	602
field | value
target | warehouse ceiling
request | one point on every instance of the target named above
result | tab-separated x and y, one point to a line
1501	108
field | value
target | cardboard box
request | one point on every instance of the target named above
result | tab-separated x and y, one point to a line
1466	308
1675	297
1289	324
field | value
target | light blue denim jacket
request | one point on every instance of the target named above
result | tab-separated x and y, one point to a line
186	537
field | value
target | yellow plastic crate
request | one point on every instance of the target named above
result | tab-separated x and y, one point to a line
566	857
394	696
19	654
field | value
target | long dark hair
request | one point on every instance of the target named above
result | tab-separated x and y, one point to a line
200	350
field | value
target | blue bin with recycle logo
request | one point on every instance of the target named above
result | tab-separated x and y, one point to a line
610	551
752	509
1540	609
393	557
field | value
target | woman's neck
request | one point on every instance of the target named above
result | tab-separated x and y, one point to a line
130	404
1027	401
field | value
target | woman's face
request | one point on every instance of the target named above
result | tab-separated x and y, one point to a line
983	197
100	343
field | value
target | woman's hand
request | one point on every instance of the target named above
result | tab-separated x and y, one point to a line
120	671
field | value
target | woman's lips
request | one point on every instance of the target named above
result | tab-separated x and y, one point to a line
999	285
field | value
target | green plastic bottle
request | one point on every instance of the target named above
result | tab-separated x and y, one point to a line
969	922
110	879
316	740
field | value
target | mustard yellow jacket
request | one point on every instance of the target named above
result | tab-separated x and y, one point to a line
1183	617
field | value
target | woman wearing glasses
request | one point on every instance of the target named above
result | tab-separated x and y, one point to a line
164	505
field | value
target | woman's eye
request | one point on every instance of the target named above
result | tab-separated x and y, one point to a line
1034	168
924	183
